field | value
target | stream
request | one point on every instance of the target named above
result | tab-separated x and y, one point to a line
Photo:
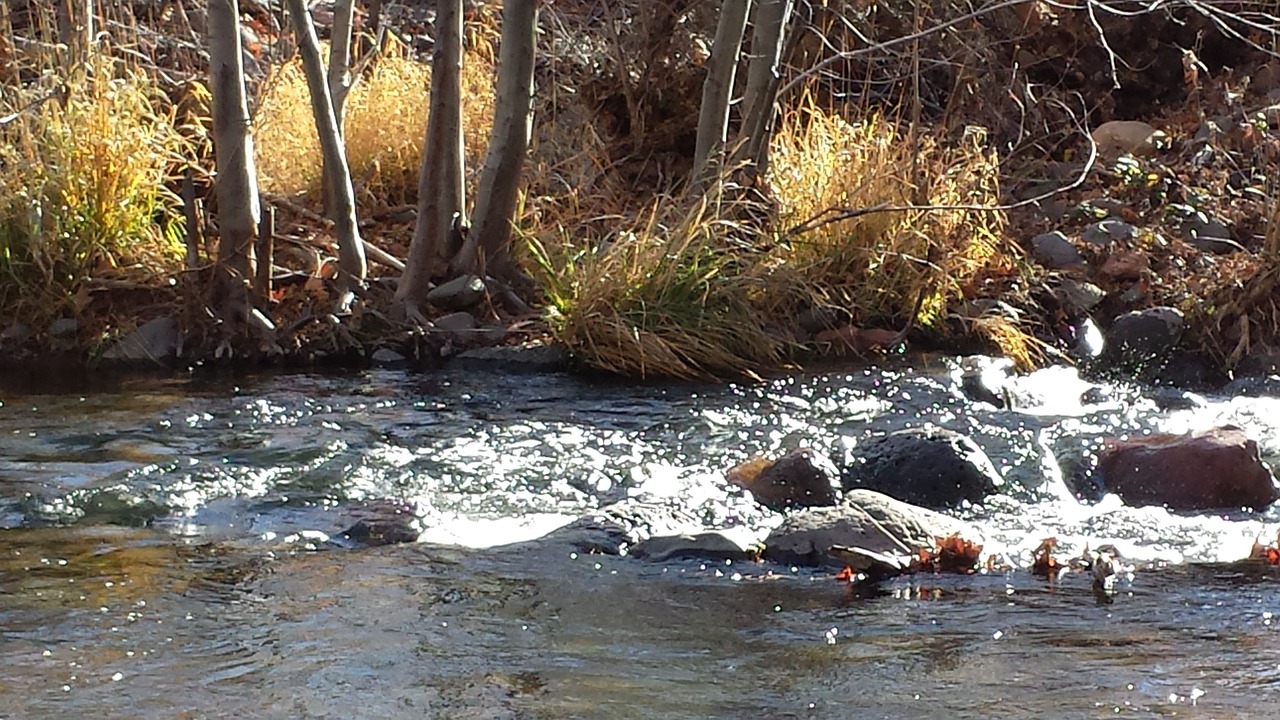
166	552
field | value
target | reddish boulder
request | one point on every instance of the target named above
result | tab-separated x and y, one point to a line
1217	468
801	478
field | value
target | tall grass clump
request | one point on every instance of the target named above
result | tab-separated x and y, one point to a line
881	265
83	186
386	115
665	298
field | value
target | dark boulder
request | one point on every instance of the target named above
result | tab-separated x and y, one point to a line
931	466
1210	469
702	546
1137	338
801	478
864	519
384	523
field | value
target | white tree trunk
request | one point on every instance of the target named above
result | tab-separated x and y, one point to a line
499	188
758	100
342	210
237	181
340	57
437	237
717	90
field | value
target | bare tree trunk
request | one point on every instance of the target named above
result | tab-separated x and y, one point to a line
499	187
340	57
771	20
437	237
713	119
237	182
342	211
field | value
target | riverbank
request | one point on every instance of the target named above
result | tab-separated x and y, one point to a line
958	217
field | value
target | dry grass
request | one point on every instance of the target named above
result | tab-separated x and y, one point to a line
83	187
386	117
659	300
681	293
877	265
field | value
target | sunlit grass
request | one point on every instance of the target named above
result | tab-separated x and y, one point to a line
83	186
386	115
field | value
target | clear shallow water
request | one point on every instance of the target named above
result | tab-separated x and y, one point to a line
153	533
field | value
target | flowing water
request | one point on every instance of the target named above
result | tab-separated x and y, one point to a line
163	555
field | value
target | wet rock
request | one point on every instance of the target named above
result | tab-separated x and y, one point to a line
985	379
63	326
702	546
456	323
801	478
1055	252
384	523
1109	231
530	357
1126	137
155	341
1139	337
1077	297
1254	386
1259	361
865	519
1218	468
388	358
1087	340
931	466
1211	236
1186	370
616	528
1125	265
458	294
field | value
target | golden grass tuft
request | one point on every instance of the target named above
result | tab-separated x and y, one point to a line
659	299
877	265
386	116
83	186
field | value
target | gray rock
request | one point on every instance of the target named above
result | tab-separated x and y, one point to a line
1054	251
1109	231
63	326
155	341
456	322
531	357
703	546
458	294
16	333
616	528
1078	297
861	520
931	466
388	358
1211	236
1139	337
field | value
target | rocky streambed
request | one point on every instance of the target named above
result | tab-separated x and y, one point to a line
505	545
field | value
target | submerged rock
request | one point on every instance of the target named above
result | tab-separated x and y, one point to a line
530	358
1218	468
801	478
930	466
155	341
702	546
865	519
